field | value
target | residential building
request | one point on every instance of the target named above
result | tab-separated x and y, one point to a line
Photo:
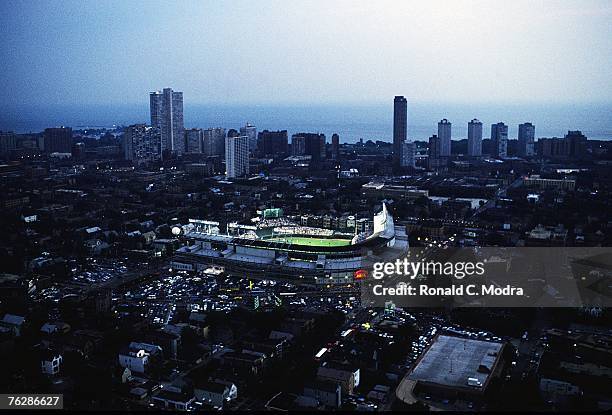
347	377
335	149
526	140
166	109
141	144
499	139
8	142
408	152
250	131
474	140
215	393
308	144
138	356
576	143
213	142
272	143
236	156
327	393
193	140
444	135
58	140
400	128
50	362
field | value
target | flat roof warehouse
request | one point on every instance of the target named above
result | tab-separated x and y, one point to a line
457	362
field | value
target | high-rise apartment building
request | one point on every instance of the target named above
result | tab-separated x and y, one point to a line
408	153
434	150
236	156
335	147
526	140
499	139
434	159
474	139
272	143
8	143
193	140
576	143
400	128
444	134
308	144
167	114
58	140
213	141
141	144
250	131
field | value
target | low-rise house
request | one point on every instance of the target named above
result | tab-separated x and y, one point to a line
138	356
215	393
57	327
248	362
50	362
327	393
346	376
13	323
180	401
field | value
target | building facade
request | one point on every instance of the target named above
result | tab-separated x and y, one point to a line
273	143
166	109
250	131
408	154
526	140
58	140
499	139
237	156
474	140
141	144
444	134
400	127
335	149
193	140
308	144
213	141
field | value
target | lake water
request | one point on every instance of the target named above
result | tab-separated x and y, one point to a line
351	122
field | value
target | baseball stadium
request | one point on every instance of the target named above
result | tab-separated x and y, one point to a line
284	249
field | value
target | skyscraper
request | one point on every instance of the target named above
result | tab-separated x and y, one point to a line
474	140
499	139
167	114
250	131
213	142
335	149
272	143
408	151
193	140
141	144
526	137
58	140
434	150
434	159
444	134
400	128
236	156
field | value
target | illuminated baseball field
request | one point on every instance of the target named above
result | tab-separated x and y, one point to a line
302	240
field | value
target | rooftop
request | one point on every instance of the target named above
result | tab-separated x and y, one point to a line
457	362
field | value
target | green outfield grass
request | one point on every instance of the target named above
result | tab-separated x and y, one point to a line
302	240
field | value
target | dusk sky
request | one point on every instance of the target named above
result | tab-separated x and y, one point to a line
107	52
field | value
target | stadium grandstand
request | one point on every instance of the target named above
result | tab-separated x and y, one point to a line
281	249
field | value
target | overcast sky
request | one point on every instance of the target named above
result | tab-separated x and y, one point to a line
105	52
